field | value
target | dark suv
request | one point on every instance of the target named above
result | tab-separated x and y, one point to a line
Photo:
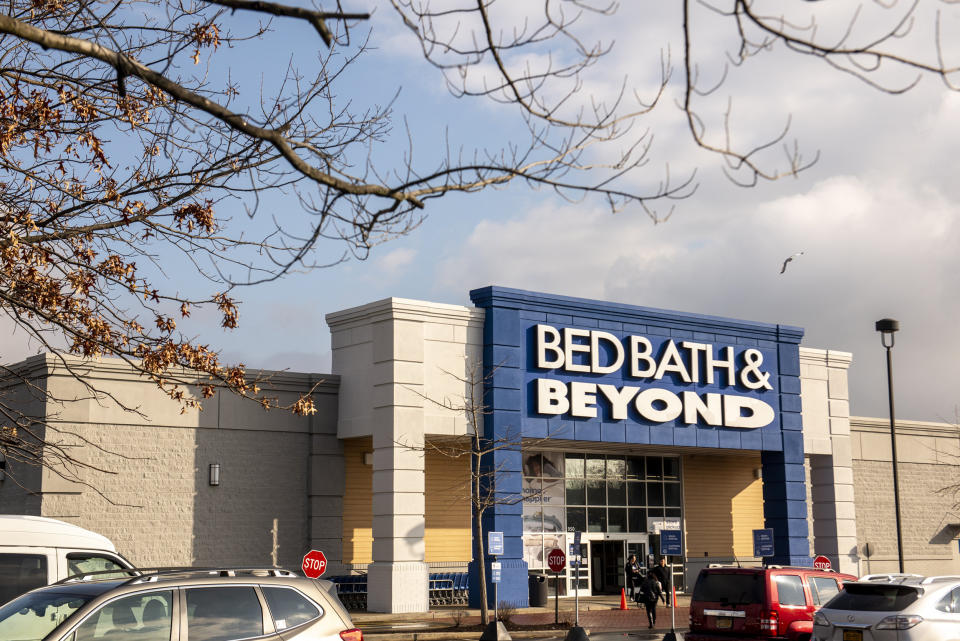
773	602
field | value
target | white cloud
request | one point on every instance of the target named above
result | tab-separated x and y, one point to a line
396	260
876	217
873	248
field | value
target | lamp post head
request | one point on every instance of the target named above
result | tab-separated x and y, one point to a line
886	327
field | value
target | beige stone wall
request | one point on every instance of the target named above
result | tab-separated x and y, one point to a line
164	511
147	485
406	368
29	400
927	463
13	498
405	358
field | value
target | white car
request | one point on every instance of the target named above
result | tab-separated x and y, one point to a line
892	607
36	551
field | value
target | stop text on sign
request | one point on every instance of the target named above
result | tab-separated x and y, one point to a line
314	564
556	560
599	352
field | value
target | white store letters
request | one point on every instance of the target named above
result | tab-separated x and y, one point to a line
691	362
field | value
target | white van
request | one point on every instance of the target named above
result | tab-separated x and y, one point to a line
35	551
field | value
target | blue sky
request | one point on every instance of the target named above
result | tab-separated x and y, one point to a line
876	217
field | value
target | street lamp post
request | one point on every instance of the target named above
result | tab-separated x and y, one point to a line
887	327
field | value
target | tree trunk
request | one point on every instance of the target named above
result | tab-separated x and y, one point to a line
478	509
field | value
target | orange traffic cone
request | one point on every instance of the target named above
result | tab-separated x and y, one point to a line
623	599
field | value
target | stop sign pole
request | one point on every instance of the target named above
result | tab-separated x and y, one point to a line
556	561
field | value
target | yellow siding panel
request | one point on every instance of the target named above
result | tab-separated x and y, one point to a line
447	481
447	536
723	504
357	502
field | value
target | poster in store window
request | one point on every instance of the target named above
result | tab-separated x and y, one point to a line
554	542
532	493
543	464
533	551
553	491
553	518
553	465
532	464
532	519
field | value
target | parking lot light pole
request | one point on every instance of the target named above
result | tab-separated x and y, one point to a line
887	327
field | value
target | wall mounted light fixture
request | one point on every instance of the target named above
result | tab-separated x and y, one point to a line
214	474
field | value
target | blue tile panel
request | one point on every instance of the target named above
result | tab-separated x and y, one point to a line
785	505
511	372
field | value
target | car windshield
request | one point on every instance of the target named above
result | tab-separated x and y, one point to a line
33	616
864	597
729	587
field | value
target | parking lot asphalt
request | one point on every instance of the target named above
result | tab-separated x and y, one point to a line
600	615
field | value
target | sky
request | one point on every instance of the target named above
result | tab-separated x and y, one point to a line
875	217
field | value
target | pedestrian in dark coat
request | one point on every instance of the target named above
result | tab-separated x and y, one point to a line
662	572
650	593
634	576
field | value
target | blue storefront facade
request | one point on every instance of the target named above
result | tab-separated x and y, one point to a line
596	374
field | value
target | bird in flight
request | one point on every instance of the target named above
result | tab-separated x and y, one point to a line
784	268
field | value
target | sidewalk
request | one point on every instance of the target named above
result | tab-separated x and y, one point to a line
597	613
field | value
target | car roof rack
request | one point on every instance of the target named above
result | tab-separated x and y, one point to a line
940	577
798	567
891	577
117	574
155	574
150	575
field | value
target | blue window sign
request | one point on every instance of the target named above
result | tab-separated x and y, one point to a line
763	542
671	542
574	556
495	543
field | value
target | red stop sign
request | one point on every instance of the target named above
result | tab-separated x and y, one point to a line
314	564
556	560
822	563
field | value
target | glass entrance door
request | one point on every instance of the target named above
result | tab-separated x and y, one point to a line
609	562
584	573
606	571
639	550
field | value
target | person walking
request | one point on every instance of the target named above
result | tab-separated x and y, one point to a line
663	574
649	595
634	576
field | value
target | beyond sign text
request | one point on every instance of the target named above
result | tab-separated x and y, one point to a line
599	352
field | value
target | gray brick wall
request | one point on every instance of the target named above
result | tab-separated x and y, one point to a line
163	510
13	498
926	514
147	485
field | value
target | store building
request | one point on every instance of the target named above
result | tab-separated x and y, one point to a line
613	420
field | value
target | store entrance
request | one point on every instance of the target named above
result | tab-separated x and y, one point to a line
608	560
